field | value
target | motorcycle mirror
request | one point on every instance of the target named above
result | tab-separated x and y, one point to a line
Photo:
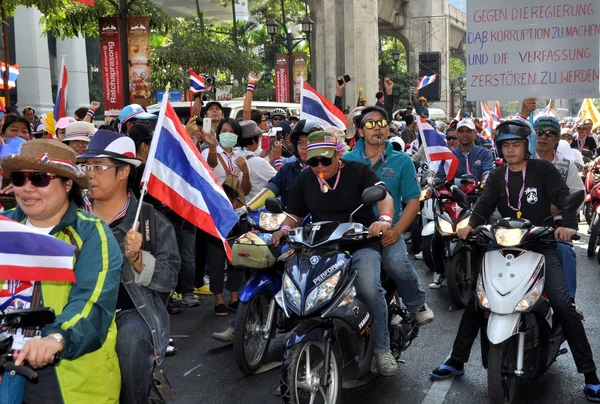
373	194
574	200
24	318
274	205
460	197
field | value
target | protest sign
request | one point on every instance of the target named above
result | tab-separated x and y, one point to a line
542	48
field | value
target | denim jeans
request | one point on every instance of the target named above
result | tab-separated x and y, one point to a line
568	260
399	267
186	240
135	352
12	389
367	264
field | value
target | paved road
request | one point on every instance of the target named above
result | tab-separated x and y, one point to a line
203	371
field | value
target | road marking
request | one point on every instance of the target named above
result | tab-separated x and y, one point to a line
179	336
191	370
437	392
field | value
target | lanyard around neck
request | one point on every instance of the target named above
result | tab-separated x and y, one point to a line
518	208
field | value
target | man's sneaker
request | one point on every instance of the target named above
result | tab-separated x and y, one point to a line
225	336
171	350
220	310
190	300
387	364
204	290
436	283
424	315
419	256
176	297
233	306
172	308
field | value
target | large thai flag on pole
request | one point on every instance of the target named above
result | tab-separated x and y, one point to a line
436	149
177	175
425	81
28	255
60	106
318	108
197	83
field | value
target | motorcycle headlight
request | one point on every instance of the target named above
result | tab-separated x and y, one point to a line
270	221
462	224
292	294
531	298
481	296
509	237
321	293
446	227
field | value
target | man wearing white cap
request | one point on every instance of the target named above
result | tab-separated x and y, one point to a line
78	135
132	114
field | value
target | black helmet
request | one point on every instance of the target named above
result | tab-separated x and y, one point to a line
303	127
512	129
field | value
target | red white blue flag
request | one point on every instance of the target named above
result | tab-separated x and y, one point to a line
13	75
28	255
490	117
548	110
425	81
318	108
177	175
60	106
436	149
497	110
197	82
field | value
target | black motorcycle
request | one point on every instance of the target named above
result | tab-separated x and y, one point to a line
332	348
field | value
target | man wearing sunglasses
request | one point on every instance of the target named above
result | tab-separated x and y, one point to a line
149	271
278	116
585	140
397	171
330	191
451	137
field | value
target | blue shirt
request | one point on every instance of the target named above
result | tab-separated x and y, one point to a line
397	172
281	183
480	162
418	109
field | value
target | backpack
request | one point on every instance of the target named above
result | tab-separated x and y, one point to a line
232	180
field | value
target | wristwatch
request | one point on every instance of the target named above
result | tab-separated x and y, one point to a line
58	337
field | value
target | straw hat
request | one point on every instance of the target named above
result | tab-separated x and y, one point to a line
47	156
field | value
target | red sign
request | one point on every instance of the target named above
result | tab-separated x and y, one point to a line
111	59
282	76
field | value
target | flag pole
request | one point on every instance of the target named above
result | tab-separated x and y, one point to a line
152	154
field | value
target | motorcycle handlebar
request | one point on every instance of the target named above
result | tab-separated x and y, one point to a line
24	371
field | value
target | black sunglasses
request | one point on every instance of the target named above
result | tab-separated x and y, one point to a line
546	132
452	138
38	179
325	161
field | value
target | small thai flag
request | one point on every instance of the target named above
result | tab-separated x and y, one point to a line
28	255
548	110
316	107
425	81
197	83
436	149
13	75
60	106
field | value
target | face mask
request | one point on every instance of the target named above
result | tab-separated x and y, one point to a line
227	140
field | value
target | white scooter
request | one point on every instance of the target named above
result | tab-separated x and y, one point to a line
522	337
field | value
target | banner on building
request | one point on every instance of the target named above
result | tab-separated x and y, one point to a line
282	76
110	59
138	54
300	74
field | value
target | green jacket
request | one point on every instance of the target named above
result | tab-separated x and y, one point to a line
85	310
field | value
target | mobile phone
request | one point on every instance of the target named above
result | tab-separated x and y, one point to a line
265	141
275	134
206	125
345	79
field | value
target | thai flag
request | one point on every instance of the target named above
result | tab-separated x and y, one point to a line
436	149
548	110
425	81
197	83
497	110
457	117
13	75
318	108
28	255
60	106
86	2
490	117
177	175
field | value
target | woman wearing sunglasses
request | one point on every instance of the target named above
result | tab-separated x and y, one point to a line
48	186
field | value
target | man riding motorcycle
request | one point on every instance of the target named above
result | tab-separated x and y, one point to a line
330	191
526	187
472	159
396	170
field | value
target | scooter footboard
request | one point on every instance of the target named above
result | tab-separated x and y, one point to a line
501	327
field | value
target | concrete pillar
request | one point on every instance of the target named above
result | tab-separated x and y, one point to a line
34	86
345	41
78	90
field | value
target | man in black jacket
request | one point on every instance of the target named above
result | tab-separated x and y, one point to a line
526	188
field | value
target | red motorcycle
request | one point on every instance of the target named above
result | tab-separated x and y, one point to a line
592	205
592	178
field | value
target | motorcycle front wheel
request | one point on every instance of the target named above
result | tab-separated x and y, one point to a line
415	234
250	344
301	375
459	287
593	241
503	385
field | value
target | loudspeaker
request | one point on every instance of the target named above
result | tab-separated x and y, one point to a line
430	64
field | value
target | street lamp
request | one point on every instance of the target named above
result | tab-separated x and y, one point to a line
396	57
289	43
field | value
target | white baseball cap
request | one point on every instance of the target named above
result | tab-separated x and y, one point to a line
466	122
